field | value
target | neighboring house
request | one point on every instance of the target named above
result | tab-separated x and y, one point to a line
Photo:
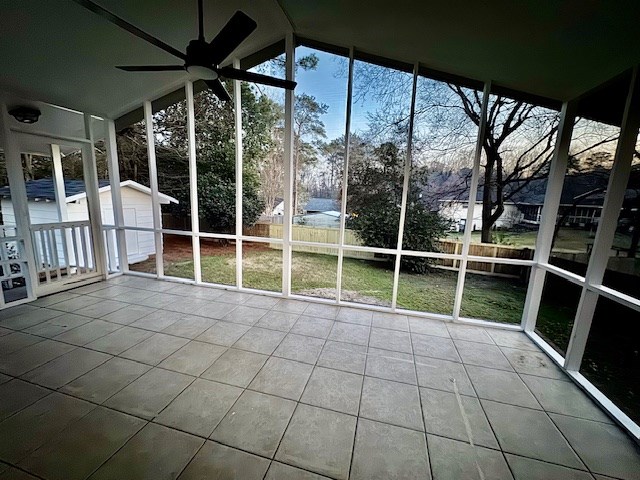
136	205
580	204
456	212
330	219
278	207
320	205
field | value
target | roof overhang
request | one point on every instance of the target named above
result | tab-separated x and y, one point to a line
162	198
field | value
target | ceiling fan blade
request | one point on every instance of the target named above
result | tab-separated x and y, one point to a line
219	90
151	68
236	74
97	9
237	29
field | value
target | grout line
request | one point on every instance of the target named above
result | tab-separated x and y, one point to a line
424	423
118	449
191	459
467	427
21	469
297	401
575	452
355	433
464	367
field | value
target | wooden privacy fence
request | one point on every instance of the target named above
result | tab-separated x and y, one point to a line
331	235
490	251
303	233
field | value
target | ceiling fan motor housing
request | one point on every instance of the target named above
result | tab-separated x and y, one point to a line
199	53
198	62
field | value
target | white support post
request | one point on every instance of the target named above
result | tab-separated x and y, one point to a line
473	192
116	194
549	215
408	163
289	100
237	109
60	194
18	196
58	183
614	199
345	177
153	181
93	197
193	183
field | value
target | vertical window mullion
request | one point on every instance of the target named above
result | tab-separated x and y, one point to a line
345	177
237	110
193	183
116	194
549	215
405	188
289	99
473	191
153	181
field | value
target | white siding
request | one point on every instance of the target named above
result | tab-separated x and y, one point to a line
137	213
456	212
40	212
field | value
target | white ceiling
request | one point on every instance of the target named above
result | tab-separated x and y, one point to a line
59	52
552	48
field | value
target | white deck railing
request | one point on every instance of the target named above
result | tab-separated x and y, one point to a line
63	250
14	273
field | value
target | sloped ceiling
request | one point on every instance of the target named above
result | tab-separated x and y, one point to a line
552	48
59	52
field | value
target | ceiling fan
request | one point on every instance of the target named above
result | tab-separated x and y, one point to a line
202	58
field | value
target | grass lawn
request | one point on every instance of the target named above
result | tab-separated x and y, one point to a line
491	298
570	240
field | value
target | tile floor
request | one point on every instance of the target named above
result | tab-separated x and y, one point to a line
139	379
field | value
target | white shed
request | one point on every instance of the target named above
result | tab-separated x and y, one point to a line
136	205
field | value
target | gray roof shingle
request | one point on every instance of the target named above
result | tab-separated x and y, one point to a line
43	189
321	205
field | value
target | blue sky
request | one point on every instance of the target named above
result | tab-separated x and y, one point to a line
328	83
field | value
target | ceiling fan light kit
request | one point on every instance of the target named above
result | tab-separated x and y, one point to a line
200	72
202	59
25	114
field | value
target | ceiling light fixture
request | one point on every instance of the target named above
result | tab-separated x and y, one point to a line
25	114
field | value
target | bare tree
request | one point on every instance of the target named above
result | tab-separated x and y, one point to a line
271	170
308	131
517	147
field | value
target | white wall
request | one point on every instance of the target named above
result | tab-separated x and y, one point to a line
40	212
137	213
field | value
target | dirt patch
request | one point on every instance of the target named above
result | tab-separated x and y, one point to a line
346	295
178	248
